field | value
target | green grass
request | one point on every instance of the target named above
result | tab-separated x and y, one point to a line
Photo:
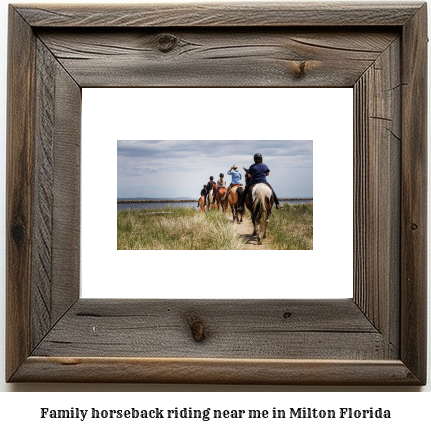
291	228
182	229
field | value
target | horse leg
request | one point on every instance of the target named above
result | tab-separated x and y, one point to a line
264	229
236	213
266	223
258	228
253	219
233	213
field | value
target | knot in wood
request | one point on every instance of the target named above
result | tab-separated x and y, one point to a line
300	69
167	42
414	226
18	233
197	328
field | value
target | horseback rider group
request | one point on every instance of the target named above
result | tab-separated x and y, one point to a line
206	189
257	174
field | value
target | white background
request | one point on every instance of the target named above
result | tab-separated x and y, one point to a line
322	115
22	409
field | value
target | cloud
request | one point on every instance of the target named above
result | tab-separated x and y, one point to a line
213	149
187	164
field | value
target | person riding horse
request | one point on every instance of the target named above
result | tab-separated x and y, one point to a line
204	191
210	184
236	180
258	173
220	184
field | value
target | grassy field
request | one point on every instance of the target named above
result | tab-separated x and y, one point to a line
181	229
290	228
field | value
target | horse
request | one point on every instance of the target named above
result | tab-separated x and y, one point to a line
201	204
221	203
210	198
259	200
233	198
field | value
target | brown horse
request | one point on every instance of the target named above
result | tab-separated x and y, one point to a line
221	203
259	200
202	207
233	198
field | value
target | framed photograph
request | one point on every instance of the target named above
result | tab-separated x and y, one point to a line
166	176
377	337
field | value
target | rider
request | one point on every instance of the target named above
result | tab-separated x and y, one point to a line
220	184
210	184
236	179
203	192
258	173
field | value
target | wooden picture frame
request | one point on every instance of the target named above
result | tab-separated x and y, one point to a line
376	338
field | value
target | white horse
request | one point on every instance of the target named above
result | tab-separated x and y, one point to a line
259	201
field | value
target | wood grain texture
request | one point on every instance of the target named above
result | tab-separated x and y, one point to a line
216	58
19	200
220	15
67	199
55	278
43	194
238	329
414	195
377	101
215	371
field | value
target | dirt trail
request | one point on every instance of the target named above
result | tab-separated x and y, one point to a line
245	230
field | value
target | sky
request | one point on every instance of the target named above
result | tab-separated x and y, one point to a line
179	168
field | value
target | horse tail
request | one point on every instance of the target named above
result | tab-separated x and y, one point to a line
240	192
259	194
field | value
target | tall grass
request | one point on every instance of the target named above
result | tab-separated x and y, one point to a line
291	228
182	229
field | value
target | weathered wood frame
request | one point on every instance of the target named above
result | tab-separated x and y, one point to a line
378	337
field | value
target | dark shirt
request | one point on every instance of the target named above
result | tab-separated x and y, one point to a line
210	185
258	173
203	191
